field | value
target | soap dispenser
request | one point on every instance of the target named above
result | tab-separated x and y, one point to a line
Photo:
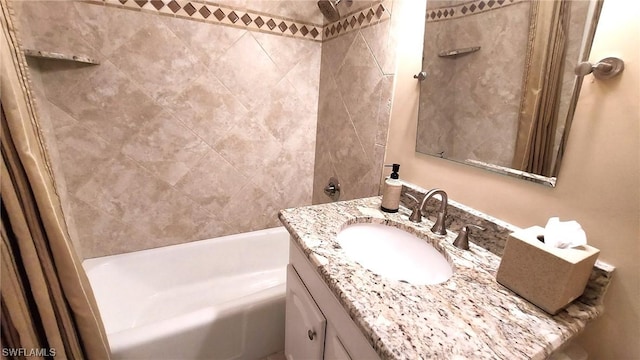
391	192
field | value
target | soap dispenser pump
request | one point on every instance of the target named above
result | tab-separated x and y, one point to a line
391	192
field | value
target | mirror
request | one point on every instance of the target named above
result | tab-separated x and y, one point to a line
500	89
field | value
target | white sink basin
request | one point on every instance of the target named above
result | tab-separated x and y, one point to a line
394	254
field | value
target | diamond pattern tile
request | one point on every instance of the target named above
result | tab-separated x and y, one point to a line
190	9
370	14
246	19
219	14
157	4
200	11
233	17
174	6
282	26
468	8
363	18
205	12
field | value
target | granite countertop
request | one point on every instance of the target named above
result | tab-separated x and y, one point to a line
468	316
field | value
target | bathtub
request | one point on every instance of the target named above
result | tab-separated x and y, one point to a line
221	298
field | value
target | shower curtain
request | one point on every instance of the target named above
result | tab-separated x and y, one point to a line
48	307
537	120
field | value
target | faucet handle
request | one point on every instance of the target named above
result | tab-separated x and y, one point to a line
462	240
416	214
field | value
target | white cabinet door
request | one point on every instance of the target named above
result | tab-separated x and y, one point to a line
333	348
305	324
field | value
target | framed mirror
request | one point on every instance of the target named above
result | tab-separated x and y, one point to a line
500	89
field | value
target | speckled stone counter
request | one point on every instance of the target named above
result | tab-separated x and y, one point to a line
470	316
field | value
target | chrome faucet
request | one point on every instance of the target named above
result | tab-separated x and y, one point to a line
439	227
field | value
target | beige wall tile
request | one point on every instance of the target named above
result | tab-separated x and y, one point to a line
353	111
334	52
305	78
165	147
52	26
208	108
121	188
284	52
207	41
247	71
101	233
107	28
359	83
158	61
302	10
250	148
323	171
186	130
82	153
212	183
263	213
381	40
106	102
47	128
283	102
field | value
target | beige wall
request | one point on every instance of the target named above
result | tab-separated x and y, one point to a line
186	130
599	182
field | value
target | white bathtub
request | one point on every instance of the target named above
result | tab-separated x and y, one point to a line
220	298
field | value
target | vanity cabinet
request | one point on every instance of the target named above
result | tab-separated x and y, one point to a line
317	326
305	324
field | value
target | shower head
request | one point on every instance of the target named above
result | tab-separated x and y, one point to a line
329	8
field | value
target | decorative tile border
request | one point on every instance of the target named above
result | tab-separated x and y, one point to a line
216	14
372	15
253	20
466	9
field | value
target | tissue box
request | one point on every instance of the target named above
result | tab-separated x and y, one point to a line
548	277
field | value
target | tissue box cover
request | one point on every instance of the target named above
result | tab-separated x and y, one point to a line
548	277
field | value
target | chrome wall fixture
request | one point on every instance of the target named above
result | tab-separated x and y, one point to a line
420	76
332	190
604	69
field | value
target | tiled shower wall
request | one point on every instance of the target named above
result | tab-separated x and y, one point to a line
356	85
186	130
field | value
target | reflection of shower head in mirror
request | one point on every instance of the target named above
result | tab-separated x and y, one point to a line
329	8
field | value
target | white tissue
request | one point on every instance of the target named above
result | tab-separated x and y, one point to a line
564	234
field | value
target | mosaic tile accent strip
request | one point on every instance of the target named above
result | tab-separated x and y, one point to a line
363	18
466	9
255	21
216	14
